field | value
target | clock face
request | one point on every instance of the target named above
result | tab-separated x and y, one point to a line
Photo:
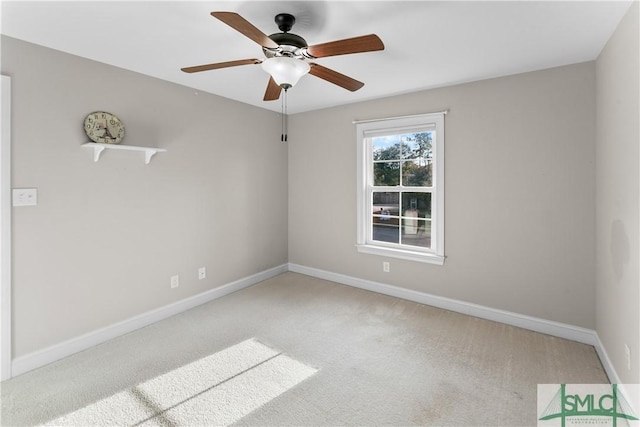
104	127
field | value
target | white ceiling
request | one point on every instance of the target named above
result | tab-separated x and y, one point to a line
427	43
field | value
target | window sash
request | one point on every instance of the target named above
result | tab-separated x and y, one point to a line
370	214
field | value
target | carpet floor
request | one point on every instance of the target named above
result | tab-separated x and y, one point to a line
359	358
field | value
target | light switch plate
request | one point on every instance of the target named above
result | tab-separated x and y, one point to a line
25	196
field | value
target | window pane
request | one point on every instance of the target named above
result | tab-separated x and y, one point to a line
385	220
386	205
386	147
416	205
416	232
386	174
386	231
417	145
417	173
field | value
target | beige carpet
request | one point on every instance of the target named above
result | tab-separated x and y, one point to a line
216	390
379	361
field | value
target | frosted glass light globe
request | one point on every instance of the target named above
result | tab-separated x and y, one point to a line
285	71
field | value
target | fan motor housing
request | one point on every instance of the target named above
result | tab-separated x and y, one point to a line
290	45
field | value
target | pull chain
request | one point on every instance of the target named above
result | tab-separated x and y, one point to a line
283	136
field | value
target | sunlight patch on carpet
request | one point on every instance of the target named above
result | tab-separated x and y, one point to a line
219	389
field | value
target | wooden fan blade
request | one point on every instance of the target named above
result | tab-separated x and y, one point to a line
367	43
240	24
217	65
273	91
335	77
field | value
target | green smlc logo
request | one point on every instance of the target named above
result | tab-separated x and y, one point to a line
611	405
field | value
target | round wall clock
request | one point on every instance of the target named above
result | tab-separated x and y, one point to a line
104	127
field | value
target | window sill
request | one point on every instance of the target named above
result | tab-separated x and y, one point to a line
402	254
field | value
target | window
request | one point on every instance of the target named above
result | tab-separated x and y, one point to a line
401	187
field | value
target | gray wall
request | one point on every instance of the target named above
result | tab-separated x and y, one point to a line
618	192
105	237
520	196
521	159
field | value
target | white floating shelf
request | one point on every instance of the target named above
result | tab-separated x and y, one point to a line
98	148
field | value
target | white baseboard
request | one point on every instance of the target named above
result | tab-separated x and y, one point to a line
606	362
48	355
56	352
556	329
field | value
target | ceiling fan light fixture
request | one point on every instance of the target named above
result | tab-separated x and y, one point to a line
285	71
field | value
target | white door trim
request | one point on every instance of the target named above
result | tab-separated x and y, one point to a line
5	229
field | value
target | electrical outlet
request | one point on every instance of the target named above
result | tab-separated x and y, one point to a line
175	281
386	266
627	355
25	196
202	273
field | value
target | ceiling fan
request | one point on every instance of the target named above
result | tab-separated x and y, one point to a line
288	57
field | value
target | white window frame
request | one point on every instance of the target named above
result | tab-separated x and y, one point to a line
365	242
